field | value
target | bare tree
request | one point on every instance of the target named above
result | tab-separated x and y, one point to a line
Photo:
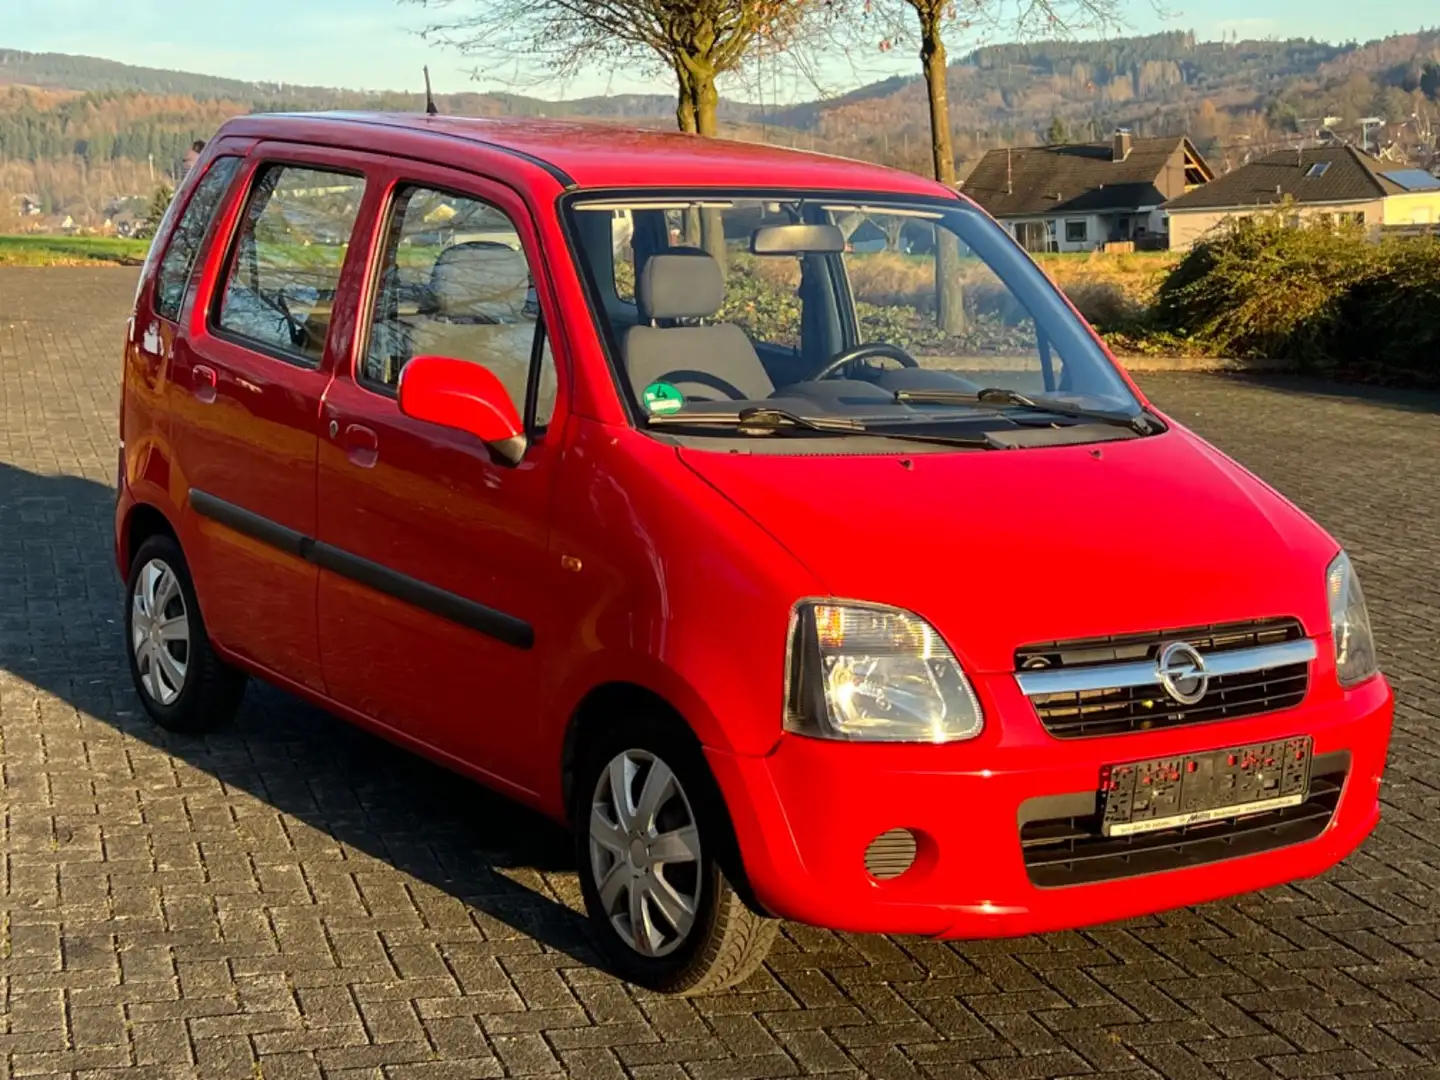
695	41
978	20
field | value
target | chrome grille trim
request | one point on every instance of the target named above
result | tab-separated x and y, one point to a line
1146	672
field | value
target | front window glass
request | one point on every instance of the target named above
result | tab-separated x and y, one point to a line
872	310
455	282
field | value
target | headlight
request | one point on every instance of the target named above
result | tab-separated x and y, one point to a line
1349	623
872	673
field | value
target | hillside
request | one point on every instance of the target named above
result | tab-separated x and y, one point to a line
77	132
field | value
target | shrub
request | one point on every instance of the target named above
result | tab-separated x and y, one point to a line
1390	322
1264	288
1325	298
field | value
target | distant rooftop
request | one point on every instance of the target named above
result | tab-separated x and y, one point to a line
1329	174
1083	177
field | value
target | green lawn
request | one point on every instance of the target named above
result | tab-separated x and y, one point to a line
71	251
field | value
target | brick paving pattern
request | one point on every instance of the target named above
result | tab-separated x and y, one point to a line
292	898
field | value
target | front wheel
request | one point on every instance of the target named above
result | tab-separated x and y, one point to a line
647	837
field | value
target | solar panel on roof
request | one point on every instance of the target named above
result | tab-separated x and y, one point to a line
1414	179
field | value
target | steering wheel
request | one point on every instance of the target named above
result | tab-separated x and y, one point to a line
860	352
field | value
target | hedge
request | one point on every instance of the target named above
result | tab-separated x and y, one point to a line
1328	299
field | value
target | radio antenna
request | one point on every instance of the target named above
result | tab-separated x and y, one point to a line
430	109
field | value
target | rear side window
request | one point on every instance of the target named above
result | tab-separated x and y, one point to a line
174	273
286	261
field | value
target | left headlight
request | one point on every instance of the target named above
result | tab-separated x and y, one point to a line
872	673
1349	623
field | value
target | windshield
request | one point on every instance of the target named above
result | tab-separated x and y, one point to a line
879	311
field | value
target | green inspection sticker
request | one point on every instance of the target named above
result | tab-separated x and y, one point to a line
662	397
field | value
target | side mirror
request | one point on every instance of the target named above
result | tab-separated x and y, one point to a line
467	397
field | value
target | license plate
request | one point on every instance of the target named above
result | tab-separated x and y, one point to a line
1164	793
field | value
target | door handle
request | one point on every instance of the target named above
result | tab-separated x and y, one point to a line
361	445
203	377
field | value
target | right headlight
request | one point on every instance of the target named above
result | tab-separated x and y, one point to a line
870	673
1349	623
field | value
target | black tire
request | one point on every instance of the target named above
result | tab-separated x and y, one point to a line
727	941
210	690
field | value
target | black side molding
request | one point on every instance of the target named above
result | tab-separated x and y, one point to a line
251	525
421	594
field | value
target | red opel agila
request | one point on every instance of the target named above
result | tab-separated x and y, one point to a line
769	518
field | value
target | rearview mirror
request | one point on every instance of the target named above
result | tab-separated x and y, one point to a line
797	240
464	396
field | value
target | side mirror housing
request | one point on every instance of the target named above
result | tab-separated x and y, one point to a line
464	396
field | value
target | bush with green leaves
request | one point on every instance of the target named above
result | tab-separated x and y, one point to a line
1265	288
1390	319
1327	299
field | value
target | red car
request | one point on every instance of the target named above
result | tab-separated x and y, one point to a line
769	518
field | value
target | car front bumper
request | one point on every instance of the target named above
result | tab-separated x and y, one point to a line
805	813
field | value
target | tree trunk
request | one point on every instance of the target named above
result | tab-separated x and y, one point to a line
707	102
950	298
685	101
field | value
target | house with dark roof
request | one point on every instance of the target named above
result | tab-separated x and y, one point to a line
1082	197
1335	183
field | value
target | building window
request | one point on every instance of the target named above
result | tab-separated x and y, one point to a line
1317	170
1077	232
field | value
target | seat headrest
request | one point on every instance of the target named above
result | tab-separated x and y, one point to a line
680	285
480	279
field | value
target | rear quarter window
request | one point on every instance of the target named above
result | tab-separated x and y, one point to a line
173	275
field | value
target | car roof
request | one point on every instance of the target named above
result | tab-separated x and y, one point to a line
594	155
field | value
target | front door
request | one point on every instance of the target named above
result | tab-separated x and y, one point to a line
435	575
248	377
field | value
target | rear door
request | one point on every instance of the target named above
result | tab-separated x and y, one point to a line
249	375
436	578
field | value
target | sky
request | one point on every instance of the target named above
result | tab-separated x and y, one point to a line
376	44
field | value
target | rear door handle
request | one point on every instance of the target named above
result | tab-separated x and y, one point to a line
203	378
361	445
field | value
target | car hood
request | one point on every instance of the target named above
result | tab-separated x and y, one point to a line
1003	548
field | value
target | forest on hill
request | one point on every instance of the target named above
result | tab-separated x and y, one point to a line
81	135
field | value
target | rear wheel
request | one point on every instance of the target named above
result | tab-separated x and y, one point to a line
183	685
648	837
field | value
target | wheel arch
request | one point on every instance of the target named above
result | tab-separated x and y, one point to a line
142	522
620	699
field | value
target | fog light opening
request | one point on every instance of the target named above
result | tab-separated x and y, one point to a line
891	854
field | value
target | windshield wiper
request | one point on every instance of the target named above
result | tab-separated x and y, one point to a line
763	420
760	419
1137	421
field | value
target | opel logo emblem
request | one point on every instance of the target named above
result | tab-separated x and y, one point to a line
1181	670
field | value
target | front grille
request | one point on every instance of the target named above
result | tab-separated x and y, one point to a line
1117	710
1072	851
1222	637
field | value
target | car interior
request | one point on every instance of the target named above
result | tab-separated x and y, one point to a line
670	332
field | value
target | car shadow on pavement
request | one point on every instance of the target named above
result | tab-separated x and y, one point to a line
345	793
1410	400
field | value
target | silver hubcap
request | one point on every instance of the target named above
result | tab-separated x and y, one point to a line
159	631
645	853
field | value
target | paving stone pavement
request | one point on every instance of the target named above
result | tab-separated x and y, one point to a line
292	898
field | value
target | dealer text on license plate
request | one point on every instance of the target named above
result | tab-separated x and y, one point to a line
1165	793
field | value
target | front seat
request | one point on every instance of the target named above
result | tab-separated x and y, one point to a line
479	292
706	361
